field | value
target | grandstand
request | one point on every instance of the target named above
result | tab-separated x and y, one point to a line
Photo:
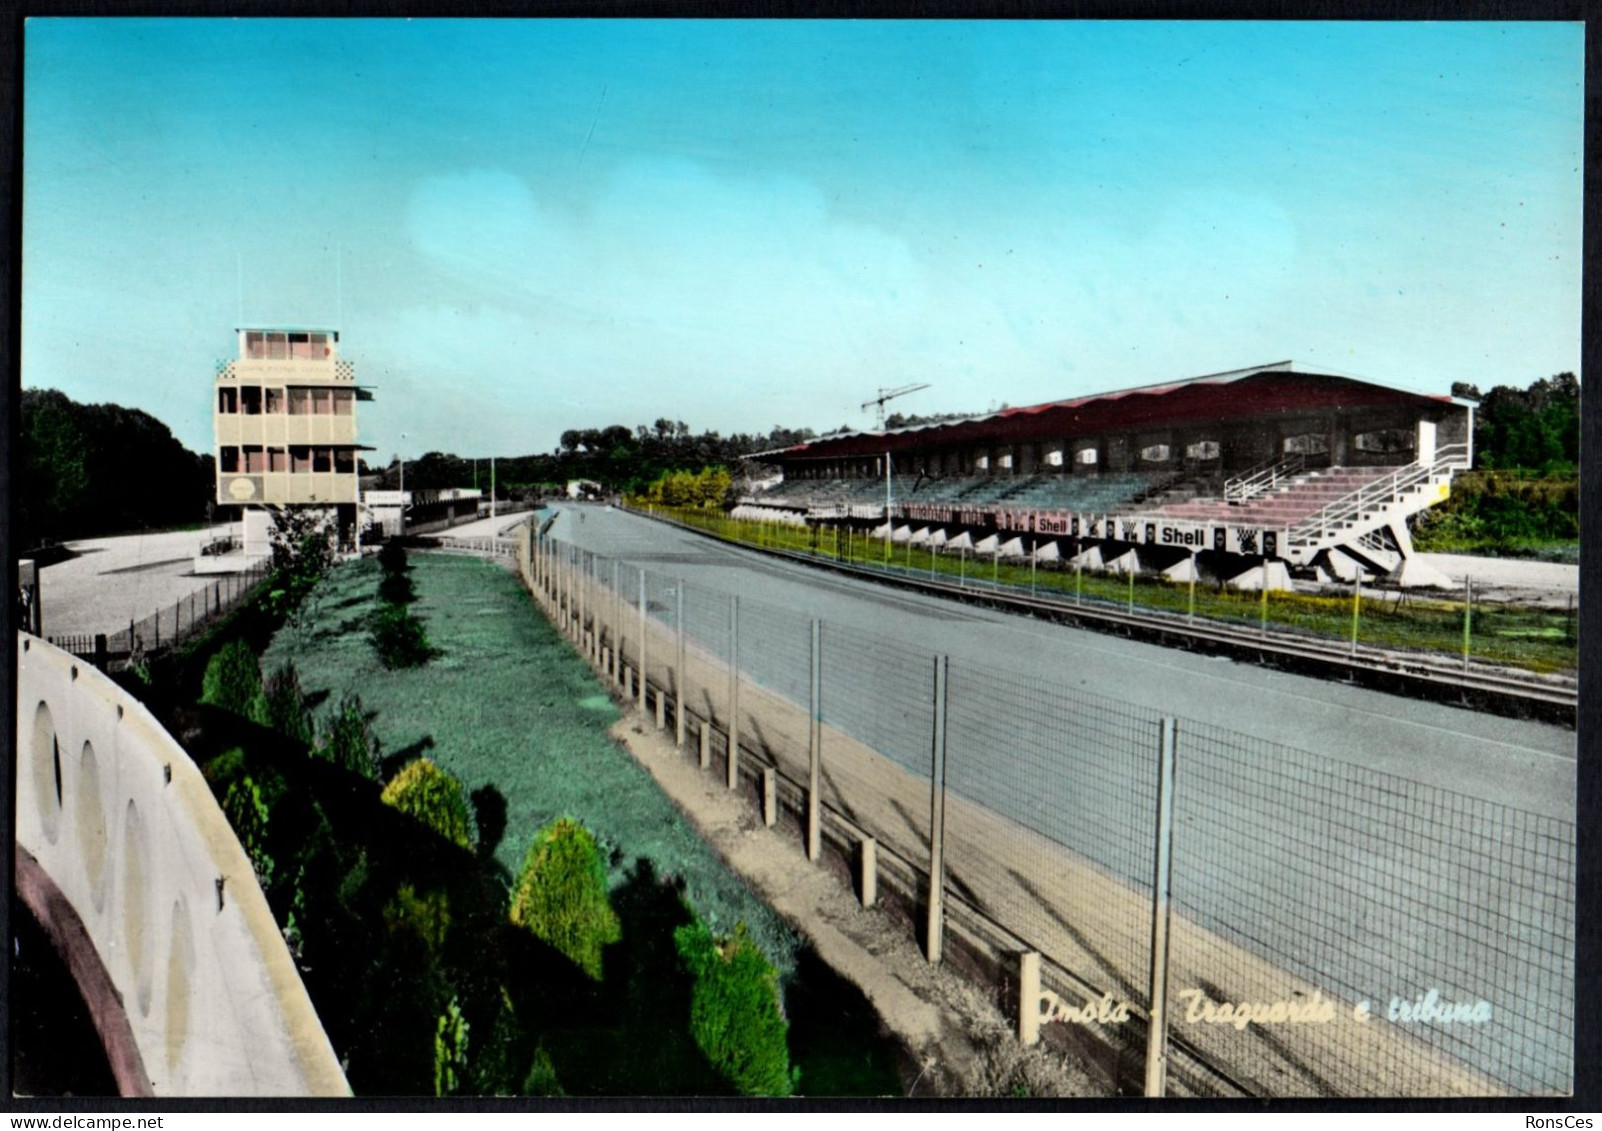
1248	476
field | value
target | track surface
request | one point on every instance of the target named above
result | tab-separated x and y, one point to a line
1523	764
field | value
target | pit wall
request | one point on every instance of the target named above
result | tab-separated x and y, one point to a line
128	862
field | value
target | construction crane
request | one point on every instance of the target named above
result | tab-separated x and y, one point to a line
889	394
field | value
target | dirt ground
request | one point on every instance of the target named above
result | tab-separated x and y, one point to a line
961	1042
1512	580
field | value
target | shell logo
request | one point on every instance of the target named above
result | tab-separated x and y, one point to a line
242	489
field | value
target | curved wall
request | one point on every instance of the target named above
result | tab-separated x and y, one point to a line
124	829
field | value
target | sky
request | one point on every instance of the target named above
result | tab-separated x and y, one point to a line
523	227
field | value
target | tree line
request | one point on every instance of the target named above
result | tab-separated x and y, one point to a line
93	469
1533	429
617	458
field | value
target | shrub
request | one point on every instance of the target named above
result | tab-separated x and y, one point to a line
424	791
541	1079
394	586
399	638
286	706
734	1010
450	1050
392	556
233	682
428	915
349	742
248	811
561	895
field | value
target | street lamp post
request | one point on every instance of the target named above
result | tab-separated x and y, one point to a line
400	456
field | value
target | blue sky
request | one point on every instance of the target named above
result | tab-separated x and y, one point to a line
525	227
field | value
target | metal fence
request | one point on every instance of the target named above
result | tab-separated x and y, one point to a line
1297	924
169	625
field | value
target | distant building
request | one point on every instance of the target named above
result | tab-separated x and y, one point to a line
285	422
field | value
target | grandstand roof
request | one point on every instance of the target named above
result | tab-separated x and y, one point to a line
1275	389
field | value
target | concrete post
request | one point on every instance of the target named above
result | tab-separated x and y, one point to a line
1029	998
868	861
706	743
680	692
815	746
661	708
734	692
1157	1027
617	621
583	583
770	797
937	814
643	669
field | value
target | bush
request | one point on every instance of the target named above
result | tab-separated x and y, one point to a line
248	811
286	706
424	791
349	742
399	638
561	895
734	1010
450	1050
428	916
233	682
394	587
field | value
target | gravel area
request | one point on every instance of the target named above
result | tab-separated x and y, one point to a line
1512	579
115	580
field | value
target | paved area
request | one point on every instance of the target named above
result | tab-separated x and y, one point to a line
1526	765
1512	579
114	580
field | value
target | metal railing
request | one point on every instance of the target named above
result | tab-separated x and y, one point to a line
168	626
1382	936
1264	477
1381	493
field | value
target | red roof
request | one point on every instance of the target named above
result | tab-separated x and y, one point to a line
1241	394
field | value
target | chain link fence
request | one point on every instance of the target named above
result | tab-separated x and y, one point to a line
1326	929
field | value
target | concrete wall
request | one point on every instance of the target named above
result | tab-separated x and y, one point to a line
126	830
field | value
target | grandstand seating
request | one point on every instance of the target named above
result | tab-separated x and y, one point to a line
1047	491
1300	498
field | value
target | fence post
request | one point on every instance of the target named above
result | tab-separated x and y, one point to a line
1357	589
678	668
734	692
1262	619
1468	613
937	814
870	871
770	796
1157	1028
583	585
1029	997
706	743
643	599
815	746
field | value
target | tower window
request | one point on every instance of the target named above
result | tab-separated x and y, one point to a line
250	399
228	459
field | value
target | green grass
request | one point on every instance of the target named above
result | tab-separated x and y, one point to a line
1538	639
508	708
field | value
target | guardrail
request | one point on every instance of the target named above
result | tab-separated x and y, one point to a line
129	864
